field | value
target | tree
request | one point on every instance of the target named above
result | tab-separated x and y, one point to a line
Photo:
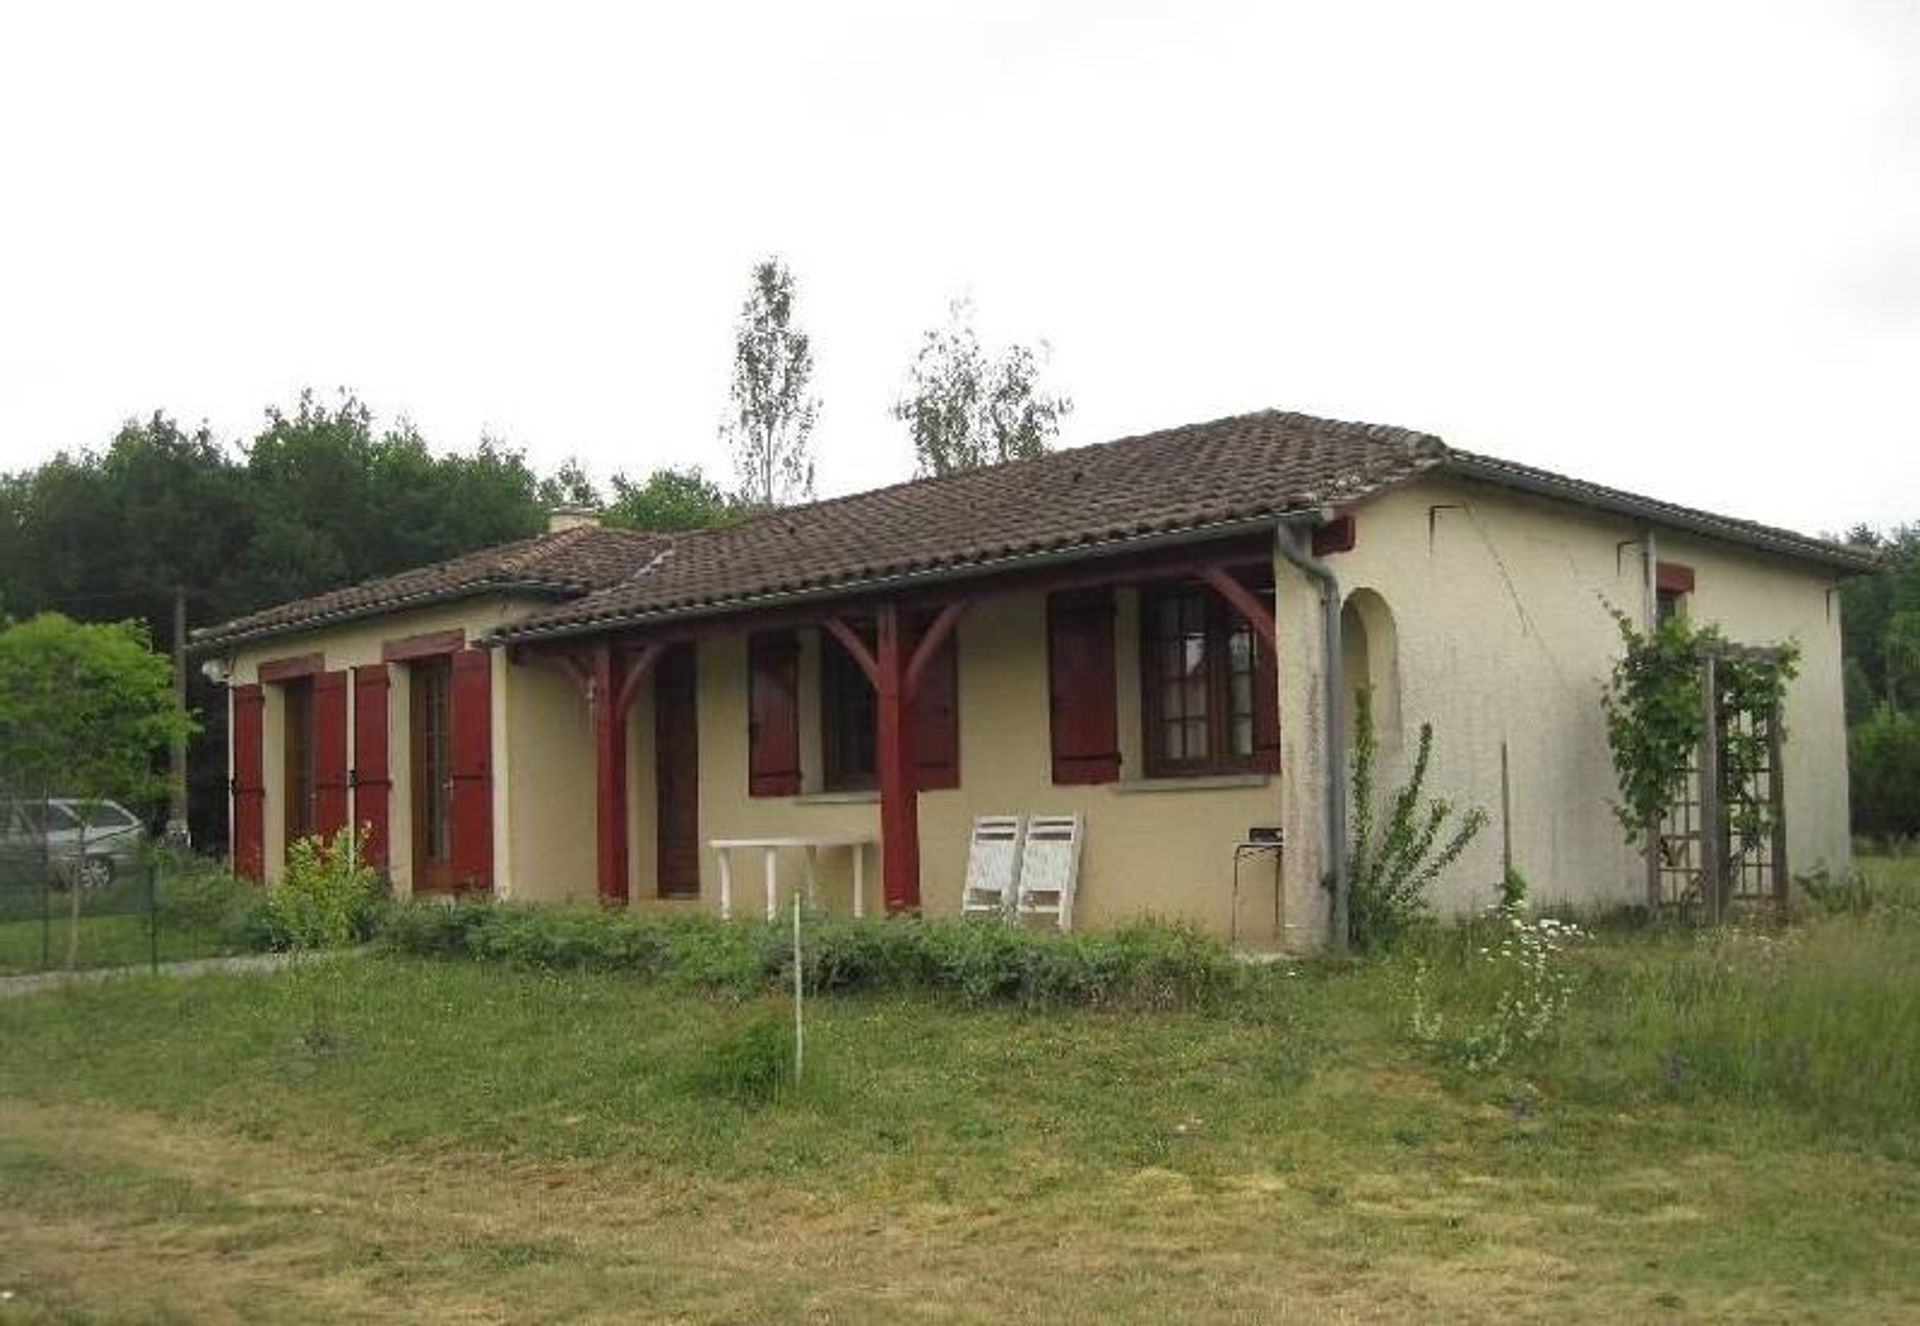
772	412
322	496
570	485
669	500
1884	768
339	501
1880	620
964	409
84	709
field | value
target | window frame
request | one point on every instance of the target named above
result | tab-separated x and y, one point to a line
1221	621
1673	585
845	687
845	694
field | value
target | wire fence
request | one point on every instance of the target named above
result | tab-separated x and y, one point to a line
85	884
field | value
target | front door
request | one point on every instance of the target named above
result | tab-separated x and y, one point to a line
297	778
676	775
431	741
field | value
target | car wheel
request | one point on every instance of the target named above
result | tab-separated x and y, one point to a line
96	873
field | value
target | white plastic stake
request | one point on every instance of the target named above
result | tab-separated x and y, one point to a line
799	1023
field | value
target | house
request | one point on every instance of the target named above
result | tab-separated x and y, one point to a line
1161	633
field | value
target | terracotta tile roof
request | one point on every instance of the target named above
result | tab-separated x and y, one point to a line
1188	483
566	564
1545	483
1192	479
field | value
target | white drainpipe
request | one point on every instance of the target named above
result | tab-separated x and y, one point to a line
1291	540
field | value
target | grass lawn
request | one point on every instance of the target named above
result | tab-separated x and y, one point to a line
114	930
453	1141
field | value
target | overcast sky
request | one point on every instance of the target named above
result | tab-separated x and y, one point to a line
1671	246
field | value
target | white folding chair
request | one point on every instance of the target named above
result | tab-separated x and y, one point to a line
993	866
1049	868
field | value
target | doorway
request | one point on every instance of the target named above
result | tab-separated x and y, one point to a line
676	774
298	772
430	732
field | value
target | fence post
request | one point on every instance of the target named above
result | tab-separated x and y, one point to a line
153	916
799	1022
1777	794
1655	893
1711	811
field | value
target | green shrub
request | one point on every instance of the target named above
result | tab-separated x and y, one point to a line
200	894
435	931
326	896
1147	965
1836	895
1392	864
1883	758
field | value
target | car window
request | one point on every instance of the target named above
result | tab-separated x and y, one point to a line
105	815
46	818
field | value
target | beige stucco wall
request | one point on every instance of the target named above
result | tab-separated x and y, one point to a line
1162	848
549	786
353	644
1500	604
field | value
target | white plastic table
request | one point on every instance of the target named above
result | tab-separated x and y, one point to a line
813	843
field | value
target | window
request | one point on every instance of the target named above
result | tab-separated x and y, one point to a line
1206	696
104	815
299	758
1673	581
850	713
849	716
37	817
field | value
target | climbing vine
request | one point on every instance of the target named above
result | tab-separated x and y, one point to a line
1750	682
1656	718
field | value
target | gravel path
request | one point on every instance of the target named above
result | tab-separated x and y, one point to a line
53	980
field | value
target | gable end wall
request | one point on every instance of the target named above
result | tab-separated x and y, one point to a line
1500	602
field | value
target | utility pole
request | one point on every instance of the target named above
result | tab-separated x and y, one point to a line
177	832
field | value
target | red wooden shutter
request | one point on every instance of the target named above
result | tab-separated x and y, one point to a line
773	714
1083	699
372	781
329	753
249	784
935	718
470	815
1336	536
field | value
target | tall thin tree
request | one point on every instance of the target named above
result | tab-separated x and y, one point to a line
964	409
772	409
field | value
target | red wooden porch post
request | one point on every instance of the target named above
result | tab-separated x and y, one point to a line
899	802
896	676
610	782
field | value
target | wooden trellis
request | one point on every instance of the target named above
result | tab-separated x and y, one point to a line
1718	845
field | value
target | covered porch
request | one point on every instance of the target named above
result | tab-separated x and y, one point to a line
1142	691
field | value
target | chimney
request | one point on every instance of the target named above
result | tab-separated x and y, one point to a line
572	517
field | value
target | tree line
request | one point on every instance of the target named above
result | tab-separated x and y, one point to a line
324	495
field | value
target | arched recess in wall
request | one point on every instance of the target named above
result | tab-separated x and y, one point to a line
1370	647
